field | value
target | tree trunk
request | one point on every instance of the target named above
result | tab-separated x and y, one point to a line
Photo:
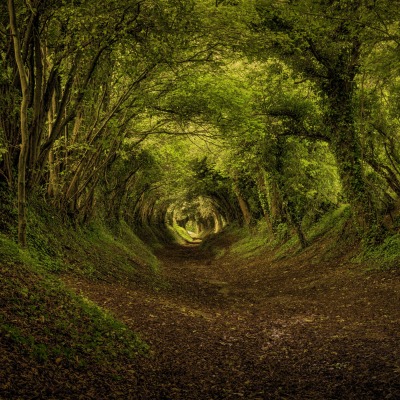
247	217
37	95
24	147
347	150
263	198
300	235
53	184
350	168
218	223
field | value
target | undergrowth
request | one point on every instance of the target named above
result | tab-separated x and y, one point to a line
66	337
384	256
334	224
95	251
255	240
42	323
179	234
251	241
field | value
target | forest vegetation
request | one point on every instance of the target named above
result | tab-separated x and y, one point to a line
129	125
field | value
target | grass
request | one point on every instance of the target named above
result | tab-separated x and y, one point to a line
46	327
335	228
124	248
383	256
179	234
33	298
333	224
256	240
95	251
251	241
339	237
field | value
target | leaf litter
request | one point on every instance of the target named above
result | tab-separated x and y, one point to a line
325	332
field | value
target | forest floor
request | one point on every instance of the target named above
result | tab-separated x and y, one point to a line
261	328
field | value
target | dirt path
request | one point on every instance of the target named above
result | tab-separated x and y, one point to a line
229	329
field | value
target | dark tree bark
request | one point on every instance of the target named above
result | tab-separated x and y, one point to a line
346	147
24	146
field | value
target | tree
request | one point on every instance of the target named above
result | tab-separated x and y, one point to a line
23	155
82	70
326	43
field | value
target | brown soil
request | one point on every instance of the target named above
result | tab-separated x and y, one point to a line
261	329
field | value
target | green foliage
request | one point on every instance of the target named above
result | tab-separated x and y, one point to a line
8	211
9	250
332	222
41	319
282	232
309	178
45	247
156	111
131	246
95	251
3	149
252	242
45	323
333	226
322	44
383	256
208	178
180	234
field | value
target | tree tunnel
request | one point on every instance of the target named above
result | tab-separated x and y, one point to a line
165	110
191	219
180	190
198	218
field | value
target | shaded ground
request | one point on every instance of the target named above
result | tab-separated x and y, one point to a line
262	329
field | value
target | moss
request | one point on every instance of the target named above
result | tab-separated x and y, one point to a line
333	221
251	240
179	234
255	240
383	256
44	321
95	251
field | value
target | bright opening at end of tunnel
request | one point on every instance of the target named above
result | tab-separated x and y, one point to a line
196	219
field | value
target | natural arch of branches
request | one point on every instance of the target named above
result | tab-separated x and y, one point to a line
202	112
